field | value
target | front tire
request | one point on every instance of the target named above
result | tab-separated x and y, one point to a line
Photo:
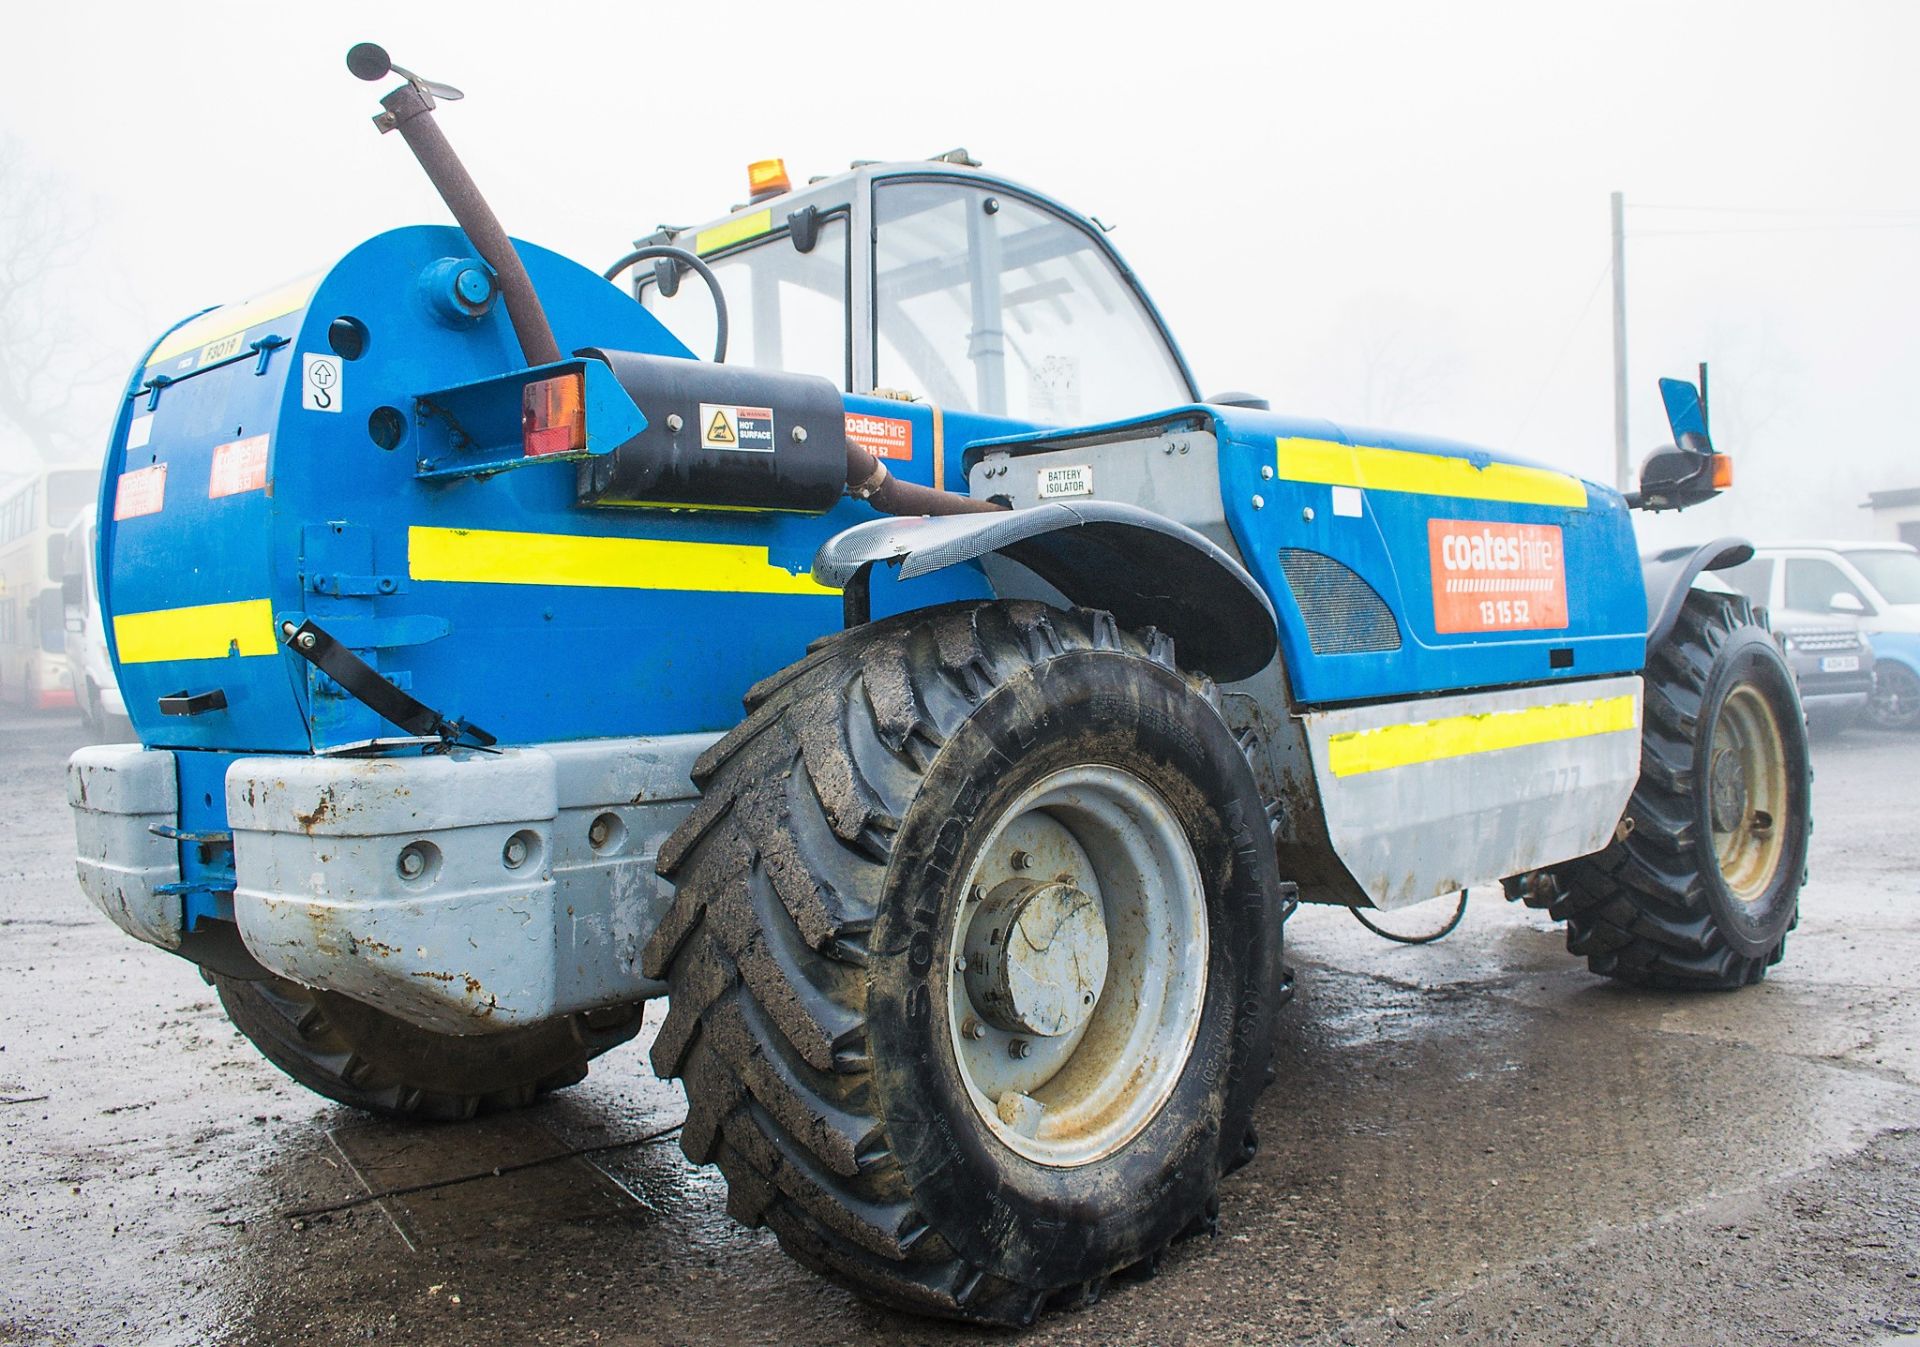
924	791
367	1059
1704	886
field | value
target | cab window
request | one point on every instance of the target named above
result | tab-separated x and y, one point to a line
986	302
786	310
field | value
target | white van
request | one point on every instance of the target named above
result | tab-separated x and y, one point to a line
94	690
1879	583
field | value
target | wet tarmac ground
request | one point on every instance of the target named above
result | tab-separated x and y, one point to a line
1475	1141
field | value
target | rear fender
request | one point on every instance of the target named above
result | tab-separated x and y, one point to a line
1669	574
1145	569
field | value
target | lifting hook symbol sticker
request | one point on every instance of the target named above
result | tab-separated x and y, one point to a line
320	389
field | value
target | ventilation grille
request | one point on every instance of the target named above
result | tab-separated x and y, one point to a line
1344	614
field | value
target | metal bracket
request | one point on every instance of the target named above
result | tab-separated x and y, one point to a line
261	351
356	586
315	645
173	834
184	703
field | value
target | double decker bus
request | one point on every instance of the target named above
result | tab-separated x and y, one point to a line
33	519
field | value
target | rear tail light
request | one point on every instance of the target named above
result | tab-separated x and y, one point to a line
553	416
1722	472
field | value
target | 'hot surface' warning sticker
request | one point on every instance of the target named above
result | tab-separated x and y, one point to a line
724	427
142	491
240	465
1496	577
881	436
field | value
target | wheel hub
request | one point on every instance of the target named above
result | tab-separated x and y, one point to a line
1746	792
1080	957
1036	957
1728	790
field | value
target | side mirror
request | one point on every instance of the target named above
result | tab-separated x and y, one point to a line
1688	471
1846	601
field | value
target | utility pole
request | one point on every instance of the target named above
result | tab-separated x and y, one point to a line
1622	471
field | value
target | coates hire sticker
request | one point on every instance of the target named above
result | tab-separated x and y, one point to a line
881	436
749	428
1496	577
240	465
142	491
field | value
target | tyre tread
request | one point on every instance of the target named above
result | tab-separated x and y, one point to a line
1638	911
779	873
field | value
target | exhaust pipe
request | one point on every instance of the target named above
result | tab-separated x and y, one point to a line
869	480
409	110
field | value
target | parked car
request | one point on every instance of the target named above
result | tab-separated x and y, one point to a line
1875	584
1833	664
1831	658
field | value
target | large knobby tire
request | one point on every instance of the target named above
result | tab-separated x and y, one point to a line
1702	890
820	1014
367	1059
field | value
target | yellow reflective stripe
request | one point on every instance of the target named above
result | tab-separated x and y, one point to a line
1376	750
1333	464
737	230
232	318
205	631
489	557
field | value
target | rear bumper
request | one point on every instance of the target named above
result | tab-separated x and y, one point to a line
465	893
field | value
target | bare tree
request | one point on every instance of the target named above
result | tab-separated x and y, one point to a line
1388	363
48	371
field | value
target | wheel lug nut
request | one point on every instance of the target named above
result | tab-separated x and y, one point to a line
1019	1048
960	964
973	1029
1021	860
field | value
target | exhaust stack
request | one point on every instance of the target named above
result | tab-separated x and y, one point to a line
409	110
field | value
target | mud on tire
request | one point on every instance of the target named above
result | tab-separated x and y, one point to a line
1702	891
818	888
367	1059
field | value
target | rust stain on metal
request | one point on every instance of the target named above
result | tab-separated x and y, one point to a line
322	811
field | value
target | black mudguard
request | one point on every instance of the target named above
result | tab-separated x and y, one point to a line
1145	569
1670	573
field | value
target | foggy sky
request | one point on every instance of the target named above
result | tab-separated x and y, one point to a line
1383	214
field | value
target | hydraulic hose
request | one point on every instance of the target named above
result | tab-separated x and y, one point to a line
705	272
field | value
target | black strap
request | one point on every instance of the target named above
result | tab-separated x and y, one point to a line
364	683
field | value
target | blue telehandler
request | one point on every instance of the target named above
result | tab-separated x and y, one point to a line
437	582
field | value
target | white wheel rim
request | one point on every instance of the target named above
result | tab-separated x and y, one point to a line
1115	838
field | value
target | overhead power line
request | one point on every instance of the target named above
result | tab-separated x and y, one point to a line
1913	211
1773	229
